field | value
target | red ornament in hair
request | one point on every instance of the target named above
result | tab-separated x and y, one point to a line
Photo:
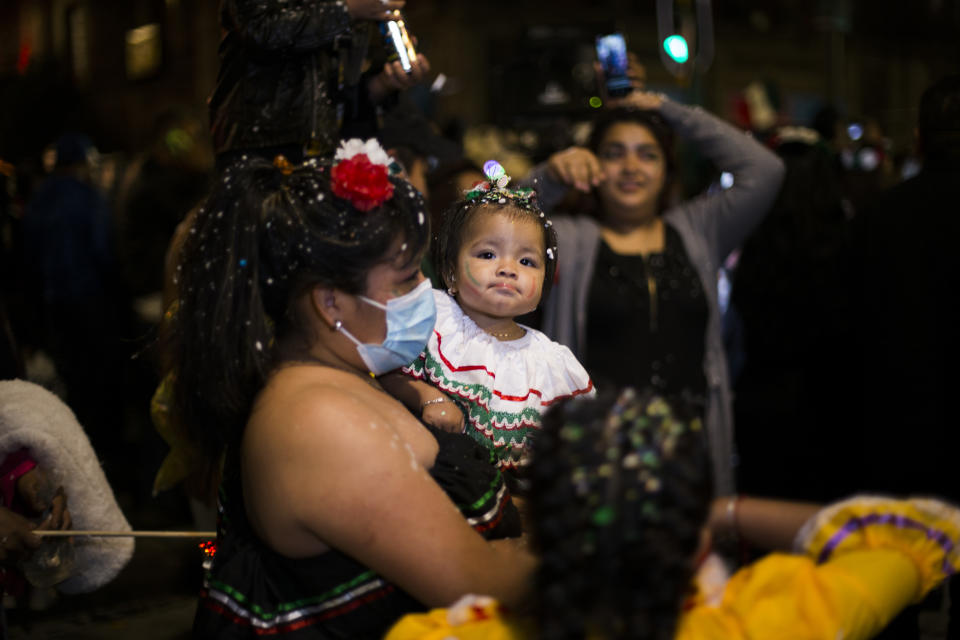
360	174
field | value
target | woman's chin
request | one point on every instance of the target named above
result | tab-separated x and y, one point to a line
627	205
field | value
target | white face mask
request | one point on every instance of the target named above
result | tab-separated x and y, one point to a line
410	320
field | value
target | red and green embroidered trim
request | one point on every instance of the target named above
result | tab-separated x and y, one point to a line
290	616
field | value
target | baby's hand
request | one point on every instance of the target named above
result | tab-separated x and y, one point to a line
443	413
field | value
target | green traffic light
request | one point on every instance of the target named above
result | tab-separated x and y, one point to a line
676	48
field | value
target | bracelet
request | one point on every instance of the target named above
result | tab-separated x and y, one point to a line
434	401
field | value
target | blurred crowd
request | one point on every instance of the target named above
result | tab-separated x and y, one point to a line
829	370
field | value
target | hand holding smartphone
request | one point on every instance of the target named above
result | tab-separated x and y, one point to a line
396	32
612	54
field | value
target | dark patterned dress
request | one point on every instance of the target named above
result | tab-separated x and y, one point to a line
647	318
251	591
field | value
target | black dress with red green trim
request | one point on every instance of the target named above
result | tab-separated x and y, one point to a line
252	591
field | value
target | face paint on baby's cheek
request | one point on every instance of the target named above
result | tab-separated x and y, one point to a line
466	268
535	291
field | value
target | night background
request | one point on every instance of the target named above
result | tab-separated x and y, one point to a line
64	65
512	80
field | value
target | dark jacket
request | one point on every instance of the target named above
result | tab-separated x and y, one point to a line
69	241
907	276
289	74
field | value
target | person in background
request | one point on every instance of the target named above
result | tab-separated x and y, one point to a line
70	259
448	184
297	285
905	272
623	519
166	181
414	141
291	78
46	457
28	501
423	153
636	291
795	313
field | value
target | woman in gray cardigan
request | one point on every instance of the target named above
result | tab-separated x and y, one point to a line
635	296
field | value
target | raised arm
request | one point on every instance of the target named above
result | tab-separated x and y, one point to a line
274	26
572	168
728	216
340	474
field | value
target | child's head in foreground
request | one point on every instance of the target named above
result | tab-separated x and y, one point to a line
620	493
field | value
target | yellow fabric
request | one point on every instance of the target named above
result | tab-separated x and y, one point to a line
785	597
915	527
790	598
181	460
182	457
463	621
871	575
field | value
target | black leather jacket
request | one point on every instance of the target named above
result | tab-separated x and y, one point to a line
289	74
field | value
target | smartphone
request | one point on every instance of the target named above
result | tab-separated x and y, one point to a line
612	53
396	32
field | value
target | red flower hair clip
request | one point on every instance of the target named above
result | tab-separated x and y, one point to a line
360	174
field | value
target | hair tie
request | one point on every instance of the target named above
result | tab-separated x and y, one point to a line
280	162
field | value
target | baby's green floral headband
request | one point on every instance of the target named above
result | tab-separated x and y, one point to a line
494	189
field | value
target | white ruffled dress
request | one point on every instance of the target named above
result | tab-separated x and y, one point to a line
503	387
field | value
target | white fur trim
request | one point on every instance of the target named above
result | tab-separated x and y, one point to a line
32	417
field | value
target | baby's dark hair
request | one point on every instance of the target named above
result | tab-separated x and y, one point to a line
264	236
456	222
620	490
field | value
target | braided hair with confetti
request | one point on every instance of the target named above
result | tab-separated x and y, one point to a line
491	196
620	492
265	235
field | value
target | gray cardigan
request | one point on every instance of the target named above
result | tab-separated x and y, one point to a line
711	226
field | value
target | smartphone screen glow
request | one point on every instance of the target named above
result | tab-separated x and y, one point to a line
401	43
612	53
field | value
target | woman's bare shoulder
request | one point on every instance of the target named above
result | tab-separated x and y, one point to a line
307	430
302	403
